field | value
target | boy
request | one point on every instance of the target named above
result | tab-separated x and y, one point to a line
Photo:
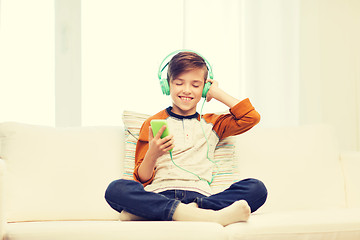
177	187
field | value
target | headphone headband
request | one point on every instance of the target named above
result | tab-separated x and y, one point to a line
165	88
162	68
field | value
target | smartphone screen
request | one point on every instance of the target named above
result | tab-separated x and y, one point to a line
156	124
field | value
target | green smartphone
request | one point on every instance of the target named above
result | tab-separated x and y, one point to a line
156	124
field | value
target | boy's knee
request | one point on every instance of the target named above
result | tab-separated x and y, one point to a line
254	186
258	187
257	192
118	188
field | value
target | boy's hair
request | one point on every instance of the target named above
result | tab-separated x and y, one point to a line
183	62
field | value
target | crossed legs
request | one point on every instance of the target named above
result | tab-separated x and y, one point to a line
232	205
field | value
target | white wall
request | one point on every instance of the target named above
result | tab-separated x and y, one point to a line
330	67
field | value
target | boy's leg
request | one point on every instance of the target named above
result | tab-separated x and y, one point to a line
252	191
130	196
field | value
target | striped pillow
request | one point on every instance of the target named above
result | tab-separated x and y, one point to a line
226	174
132	124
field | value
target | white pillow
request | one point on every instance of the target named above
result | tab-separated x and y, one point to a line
299	166
60	174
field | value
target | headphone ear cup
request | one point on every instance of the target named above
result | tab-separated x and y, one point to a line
165	86
206	89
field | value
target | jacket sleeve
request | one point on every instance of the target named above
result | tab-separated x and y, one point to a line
242	117
141	148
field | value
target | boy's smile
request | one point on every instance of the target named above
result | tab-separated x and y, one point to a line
186	98
186	91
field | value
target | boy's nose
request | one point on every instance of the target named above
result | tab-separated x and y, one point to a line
186	89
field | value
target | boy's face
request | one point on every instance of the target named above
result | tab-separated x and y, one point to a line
186	91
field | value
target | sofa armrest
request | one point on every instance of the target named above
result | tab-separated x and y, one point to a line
2	196
350	162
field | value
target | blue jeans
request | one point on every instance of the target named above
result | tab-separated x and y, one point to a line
130	196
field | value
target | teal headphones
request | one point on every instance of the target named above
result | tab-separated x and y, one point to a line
164	81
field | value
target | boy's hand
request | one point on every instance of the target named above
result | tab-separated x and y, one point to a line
212	91
158	146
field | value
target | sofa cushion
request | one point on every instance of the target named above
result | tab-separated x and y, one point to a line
59	173
299	165
336	224
351	166
114	230
226	173
2	197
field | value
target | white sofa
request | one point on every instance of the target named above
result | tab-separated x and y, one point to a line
52	184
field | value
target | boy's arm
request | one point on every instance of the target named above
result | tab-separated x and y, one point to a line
222	96
142	147
242	117
143	172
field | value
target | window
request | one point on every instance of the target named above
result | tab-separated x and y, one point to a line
27	61
123	43
114	48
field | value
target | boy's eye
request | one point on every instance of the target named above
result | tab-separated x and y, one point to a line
178	82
